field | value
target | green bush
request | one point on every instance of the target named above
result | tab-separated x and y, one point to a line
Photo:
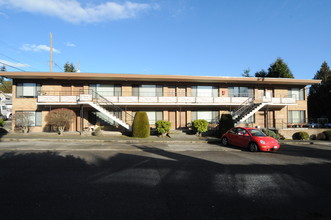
200	126
2	122
302	135
313	137
327	135
140	127
320	136
226	123
163	127
271	133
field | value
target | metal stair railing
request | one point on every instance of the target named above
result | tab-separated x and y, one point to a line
102	101
242	108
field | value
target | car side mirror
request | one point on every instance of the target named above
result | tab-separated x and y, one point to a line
246	135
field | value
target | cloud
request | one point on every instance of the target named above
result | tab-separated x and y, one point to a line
74	12
37	48
8	63
69	44
4	15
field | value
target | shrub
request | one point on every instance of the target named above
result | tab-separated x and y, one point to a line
327	135
2	122
140	127
313	137
271	133
226	123
163	127
302	135
23	120
60	118
200	125
98	131
320	136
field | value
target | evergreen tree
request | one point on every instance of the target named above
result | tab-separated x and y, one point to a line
279	69
69	67
319	99
3	68
261	73
324	73
246	73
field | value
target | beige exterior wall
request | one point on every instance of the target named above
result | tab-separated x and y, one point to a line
126	90
279	116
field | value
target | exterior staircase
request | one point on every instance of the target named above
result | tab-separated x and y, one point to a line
108	116
104	106
246	110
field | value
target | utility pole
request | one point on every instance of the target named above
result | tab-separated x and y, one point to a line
78	69
51	53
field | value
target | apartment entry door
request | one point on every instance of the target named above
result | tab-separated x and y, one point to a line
177	119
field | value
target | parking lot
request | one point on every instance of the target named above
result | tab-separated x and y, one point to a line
50	180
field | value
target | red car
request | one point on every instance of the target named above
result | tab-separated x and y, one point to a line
251	138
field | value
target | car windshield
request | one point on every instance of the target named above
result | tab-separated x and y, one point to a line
256	132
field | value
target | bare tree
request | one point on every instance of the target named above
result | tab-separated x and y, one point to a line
60	118
23	120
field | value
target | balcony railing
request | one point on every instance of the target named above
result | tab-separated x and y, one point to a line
87	96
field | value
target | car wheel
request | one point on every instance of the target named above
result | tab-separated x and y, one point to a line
253	147
225	141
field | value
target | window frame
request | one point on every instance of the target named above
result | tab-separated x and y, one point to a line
238	91
302	116
20	90
300	91
37	115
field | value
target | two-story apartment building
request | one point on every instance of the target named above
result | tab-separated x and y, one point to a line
112	99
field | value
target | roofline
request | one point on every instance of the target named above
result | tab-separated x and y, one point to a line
156	78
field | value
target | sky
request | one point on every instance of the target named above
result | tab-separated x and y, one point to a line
166	37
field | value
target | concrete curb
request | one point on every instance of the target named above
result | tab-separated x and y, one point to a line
101	140
133	141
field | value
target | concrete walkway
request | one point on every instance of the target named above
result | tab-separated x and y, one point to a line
76	137
118	138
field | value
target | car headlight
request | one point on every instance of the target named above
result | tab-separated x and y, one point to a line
262	141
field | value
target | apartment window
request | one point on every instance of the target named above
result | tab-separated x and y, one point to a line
210	116
153	116
107	90
296	93
147	90
296	117
204	91
241	92
250	120
27	90
28	117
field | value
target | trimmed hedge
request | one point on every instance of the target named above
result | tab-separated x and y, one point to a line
271	133
320	136
313	137
200	126
226	123
302	135
327	135
163	127
140	127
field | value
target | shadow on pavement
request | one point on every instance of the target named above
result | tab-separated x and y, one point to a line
171	186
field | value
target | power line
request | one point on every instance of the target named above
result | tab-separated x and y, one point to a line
58	66
34	58
5	64
15	61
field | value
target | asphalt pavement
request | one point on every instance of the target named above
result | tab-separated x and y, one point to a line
153	180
